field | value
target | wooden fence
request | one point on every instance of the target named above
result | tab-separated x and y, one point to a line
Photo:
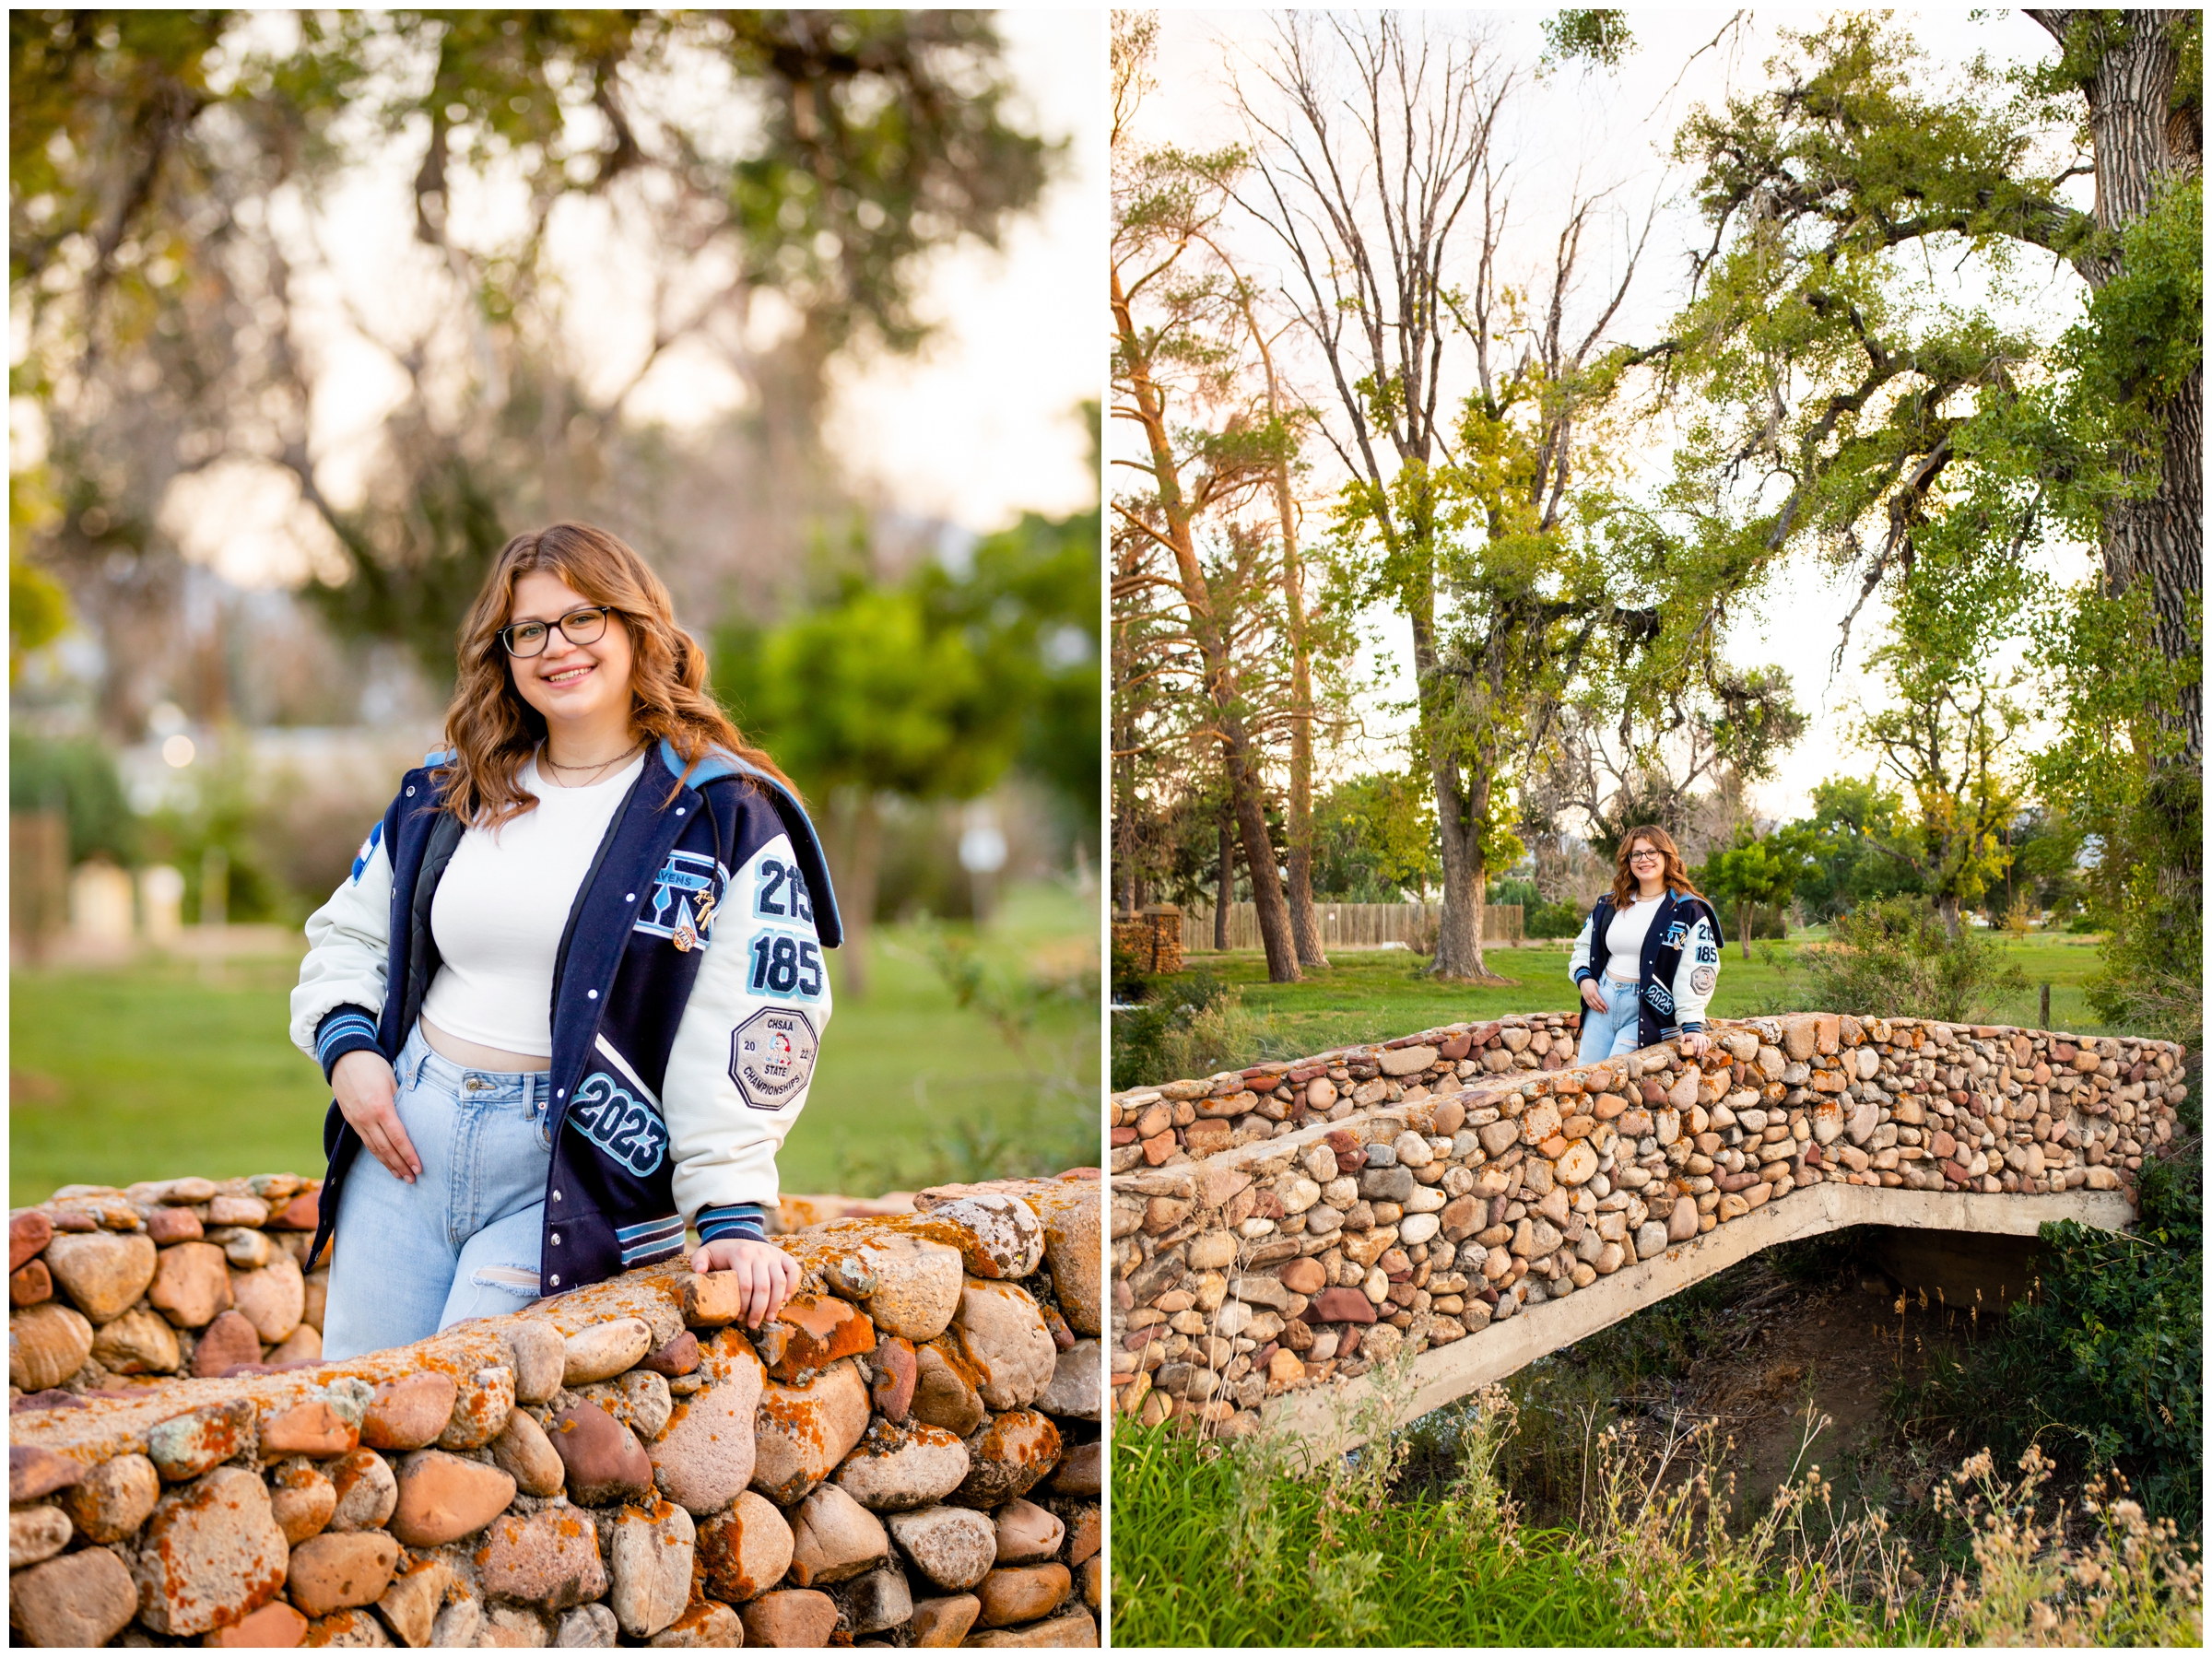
1353	925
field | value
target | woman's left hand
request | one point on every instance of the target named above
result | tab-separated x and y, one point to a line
766	1275
1695	1043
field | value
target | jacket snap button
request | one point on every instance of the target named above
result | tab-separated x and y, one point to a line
557	1196
557	1240
555	1278
592	994
679	811
410	791
629	896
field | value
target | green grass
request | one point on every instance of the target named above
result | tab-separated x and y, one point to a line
1363	997
165	1068
1202	1558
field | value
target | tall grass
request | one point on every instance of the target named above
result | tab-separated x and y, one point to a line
1270	1543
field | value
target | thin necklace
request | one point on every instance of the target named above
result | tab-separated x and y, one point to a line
546	753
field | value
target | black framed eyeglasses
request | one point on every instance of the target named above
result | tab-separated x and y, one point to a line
1633	856
578	626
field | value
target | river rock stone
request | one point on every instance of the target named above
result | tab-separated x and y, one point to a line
335	1572
954	1547
138	1342
524	1454
678	1357
26	1234
549	1559
112	1500
410	1412
833	1537
82	1599
1073	1628
276	1626
998	1236
443	1498
874	1601
541	1356
704	1626
1006	1456
102	1271
650	1559
1009	1351
1021	1594
1078	1384
272	1298
745	1552
1340	1306
1650	1238
485	1401
943	1395
816	1330
228	1341
894	1468
604	1460
211	1552
802	1433
366	1489
639	1399
1027	1534
186	1445
892	1390
946	1621
605	1350
1081	1471
312	1428
46	1345
191	1283
917	1284
705	1455
300	1499
792	1616
409	1606
36	1533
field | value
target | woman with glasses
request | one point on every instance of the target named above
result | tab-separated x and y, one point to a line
569	1000
1649	955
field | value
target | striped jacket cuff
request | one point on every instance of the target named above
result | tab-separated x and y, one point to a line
344	1029
746	1220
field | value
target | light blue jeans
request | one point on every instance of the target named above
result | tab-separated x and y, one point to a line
462	1242
1610	1034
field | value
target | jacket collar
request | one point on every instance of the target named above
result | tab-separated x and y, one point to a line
813	866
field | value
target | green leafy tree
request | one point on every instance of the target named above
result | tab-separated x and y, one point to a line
1851	407
1758	871
1857	828
1375	838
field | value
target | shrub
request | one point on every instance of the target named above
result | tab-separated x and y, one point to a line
1187	1025
1893	958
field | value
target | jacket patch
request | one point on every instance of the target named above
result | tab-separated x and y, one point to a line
771	1056
1677	934
787	965
1703	979
685	895
360	858
1658	998
781	894
620	1123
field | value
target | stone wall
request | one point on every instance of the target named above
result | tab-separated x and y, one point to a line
910	1454
1281	1229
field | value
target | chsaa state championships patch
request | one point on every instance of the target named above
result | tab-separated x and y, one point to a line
771	1054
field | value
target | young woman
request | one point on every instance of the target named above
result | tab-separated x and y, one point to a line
1650	954
570	998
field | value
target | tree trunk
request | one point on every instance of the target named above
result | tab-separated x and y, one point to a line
1268	899
859	841
1225	884
1948	907
1742	929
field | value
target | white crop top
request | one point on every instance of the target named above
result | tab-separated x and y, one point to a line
501	908
1624	941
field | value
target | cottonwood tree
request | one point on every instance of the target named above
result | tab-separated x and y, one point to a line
167	173
1455	399
1853	411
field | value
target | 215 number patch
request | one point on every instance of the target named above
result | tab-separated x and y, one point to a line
785	964
782	893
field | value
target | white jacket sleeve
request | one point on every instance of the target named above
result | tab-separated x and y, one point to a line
348	941
1695	976
743	1058
1578	964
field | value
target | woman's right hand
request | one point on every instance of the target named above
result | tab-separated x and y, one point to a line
366	1091
1592	998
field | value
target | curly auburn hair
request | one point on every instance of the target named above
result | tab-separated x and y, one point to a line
1675	876
492	731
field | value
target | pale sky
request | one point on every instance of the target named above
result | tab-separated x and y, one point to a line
978	427
1599	130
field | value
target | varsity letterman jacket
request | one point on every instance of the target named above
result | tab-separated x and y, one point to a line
688	999
1681	963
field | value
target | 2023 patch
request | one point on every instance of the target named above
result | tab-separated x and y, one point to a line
771	1056
625	1127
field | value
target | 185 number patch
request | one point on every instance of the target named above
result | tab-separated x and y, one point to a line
785	964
